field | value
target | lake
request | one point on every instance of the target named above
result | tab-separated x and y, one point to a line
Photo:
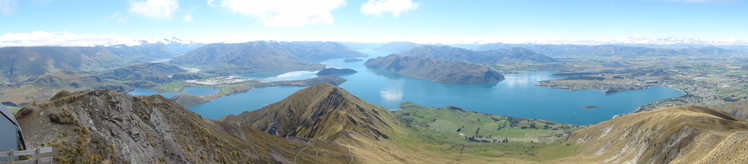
516	96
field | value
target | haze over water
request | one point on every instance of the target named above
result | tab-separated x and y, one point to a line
517	96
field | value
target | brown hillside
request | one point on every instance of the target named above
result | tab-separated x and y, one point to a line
686	134
738	109
326	113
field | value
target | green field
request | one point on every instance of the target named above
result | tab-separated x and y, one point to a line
458	123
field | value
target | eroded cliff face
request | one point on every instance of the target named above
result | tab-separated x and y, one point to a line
666	135
108	126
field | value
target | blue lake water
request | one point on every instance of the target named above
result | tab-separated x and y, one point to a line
517	96
194	91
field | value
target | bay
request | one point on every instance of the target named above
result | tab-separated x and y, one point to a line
517	96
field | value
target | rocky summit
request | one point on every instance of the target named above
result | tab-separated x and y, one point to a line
323	112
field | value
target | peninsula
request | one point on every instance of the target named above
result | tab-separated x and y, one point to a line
436	70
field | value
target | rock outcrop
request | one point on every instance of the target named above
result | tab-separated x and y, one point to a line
335	71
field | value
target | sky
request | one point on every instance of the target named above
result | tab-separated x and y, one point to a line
92	22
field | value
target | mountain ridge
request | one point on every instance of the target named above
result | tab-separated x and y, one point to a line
487	58
21	63
319	104
108	126
614	50
683	134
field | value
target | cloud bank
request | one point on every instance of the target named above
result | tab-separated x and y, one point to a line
65	39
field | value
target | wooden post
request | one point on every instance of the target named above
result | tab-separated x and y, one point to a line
10	159
38	156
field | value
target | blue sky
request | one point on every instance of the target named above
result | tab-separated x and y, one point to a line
542	21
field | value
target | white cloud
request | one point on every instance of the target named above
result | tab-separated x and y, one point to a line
8	6
395	7
187	18
284	13
157	9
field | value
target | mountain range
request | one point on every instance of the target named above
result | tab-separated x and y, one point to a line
487	58
263	56
21	63
454	72
617	51
43	87
144	72
397	47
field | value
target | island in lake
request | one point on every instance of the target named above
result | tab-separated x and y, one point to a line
335	71
591	106
436	70
351	60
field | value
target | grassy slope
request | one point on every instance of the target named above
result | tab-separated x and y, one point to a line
439	139
684	134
